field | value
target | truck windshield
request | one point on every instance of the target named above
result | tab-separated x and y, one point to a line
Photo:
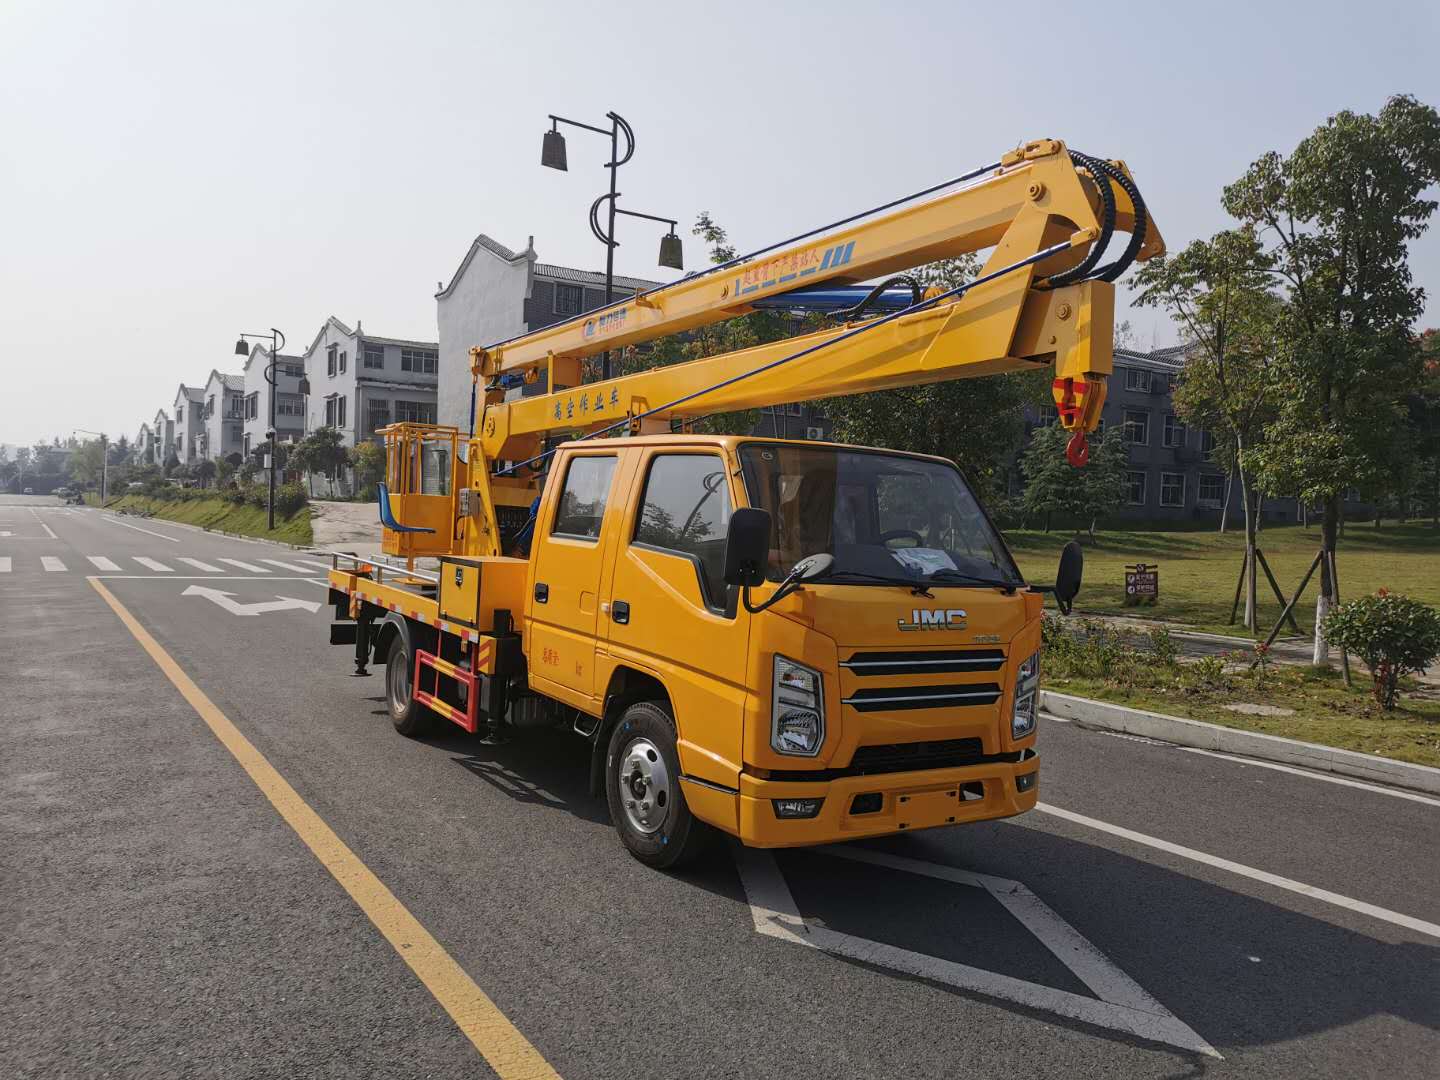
880	515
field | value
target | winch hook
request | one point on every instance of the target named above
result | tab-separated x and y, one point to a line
1077	450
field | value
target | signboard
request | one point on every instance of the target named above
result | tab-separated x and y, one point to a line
1142	584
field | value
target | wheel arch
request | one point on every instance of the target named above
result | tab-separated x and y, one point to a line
627	686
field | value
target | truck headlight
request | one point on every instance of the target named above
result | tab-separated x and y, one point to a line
797	709
1027	698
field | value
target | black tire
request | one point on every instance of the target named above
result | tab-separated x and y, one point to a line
409	717
644	738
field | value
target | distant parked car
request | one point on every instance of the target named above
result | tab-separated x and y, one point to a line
135	485
28	491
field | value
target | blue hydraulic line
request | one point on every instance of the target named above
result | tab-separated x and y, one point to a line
1053	249
824	298
973	174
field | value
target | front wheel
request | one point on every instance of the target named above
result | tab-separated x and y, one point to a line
408	715
642	784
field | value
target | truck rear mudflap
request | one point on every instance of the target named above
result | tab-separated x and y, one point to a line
786	813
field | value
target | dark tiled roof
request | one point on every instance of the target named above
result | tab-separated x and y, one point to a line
592	277
496	247
1171	358
400	341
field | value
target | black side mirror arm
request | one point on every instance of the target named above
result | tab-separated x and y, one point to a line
787	587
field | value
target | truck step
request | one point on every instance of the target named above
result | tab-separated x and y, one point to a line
466	718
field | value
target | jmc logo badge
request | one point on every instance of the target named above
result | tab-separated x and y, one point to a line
934	619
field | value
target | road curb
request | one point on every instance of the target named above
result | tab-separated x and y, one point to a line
1104	716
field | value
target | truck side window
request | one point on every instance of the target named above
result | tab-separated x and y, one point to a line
686	510
582	499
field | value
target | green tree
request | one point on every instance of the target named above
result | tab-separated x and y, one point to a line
1336	217
1423	423
368	461
1053	486
205	471
86	463
322	451
1220	291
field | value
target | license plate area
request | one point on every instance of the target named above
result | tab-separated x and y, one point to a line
923	809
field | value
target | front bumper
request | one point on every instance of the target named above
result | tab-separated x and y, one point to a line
909	801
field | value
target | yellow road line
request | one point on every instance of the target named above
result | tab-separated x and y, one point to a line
507	1051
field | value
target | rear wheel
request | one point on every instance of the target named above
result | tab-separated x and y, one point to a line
642	784
408	715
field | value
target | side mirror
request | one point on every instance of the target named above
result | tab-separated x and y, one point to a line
812	566
1067	578
747	546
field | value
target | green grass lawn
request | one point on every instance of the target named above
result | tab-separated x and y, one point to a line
1198	570
223	515
1324	711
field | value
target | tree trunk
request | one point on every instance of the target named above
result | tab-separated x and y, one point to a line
1047	521
1225	506
1250	568
1328	531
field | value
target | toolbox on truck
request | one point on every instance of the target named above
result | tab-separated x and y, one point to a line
473	589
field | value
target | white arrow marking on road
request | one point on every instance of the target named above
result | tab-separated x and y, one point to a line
223	599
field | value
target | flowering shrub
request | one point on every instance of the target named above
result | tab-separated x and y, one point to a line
1393	634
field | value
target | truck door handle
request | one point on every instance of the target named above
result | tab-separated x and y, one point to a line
620	611
542	593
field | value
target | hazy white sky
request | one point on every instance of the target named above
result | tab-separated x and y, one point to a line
173	173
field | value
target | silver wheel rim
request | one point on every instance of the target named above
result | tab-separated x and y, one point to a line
399	686
645	791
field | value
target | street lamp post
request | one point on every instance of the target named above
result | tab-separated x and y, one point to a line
553	156
104	458
277	342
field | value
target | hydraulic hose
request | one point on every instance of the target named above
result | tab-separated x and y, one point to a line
1107	224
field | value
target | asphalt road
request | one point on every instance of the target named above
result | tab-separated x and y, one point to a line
159	918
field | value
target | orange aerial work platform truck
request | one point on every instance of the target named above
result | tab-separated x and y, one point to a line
793	642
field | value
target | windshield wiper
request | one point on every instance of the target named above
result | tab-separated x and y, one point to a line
959	577
917	587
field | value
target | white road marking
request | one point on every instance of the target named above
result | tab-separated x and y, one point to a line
1122	1006
51	563
226	600
153	564
201	565
6	532
149	532
102	563
246	566
1327	777
48	531
287	566
4	564
1324	895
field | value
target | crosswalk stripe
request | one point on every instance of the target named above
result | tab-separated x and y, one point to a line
246	566
50	562
102	563
4	564
198	565
153	564
287	566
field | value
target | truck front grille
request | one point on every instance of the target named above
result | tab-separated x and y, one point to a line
925	662
890	699
902	757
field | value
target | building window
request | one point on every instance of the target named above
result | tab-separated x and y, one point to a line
252	405
582	500
1212	488
1137	488
374	355
209	406
1137	379
569	299
289	405
379	415
340	411
246	446
343	357
1351	495
329	412
414	412
1137	427
1174	431
1172	489
295	371
332	356
1207	445
796	408
420	361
